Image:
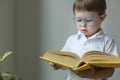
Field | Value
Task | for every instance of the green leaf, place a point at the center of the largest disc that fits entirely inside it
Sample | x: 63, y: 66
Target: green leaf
x: 1, y: 78
x: 5, y: 55
x: 11, y: 76
x: 14, y: 78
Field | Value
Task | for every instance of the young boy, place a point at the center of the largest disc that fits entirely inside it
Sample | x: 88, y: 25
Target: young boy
x: 89, y: 14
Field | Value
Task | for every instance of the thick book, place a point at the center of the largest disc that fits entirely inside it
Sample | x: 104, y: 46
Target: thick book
x: 73, y: 61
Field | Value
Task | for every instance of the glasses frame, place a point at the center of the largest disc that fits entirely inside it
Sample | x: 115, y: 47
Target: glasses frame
x: 86, y: 20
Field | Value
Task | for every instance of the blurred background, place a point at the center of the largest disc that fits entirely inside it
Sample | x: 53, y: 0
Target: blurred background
x: 31, y: 27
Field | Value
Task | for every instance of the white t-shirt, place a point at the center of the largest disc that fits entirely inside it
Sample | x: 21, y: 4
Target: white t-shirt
x: 79, y: 44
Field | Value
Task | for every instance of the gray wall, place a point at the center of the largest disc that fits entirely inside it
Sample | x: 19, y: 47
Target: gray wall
x: 112, y: 26
x: 7, y: 34
x: 19, y: 27
x: 27, y: 28
x: 30, y: 27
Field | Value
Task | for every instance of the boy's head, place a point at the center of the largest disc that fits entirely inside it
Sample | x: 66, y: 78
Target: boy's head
x: 98, y: 6
x: 89, y: 14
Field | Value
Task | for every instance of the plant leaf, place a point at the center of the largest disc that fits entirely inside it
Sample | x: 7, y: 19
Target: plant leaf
x: 5, y: 55
x: 1, y: 78
x: 11, y: 76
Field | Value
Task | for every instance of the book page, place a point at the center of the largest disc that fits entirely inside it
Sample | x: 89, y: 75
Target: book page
x: 101, y: 59
x: 63, y: 58
x: 74, y: 62
x: 99, y: 56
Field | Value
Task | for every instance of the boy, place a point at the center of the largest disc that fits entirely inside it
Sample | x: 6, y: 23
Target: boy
x: 89, y: 14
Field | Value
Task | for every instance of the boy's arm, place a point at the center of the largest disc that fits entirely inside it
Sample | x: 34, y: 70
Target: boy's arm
x: 101, y: 73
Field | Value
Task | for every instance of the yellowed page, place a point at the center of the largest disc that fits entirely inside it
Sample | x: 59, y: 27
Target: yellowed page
x: 66, y: 59
x: 101, y: 59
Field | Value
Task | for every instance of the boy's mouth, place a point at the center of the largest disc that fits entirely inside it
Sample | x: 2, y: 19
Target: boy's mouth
x: 84, y: 30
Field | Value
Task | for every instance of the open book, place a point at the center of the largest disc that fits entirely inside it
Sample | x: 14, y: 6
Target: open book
x: 73, y: 61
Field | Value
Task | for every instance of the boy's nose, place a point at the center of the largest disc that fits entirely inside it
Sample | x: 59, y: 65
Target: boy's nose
x: 83, y: 23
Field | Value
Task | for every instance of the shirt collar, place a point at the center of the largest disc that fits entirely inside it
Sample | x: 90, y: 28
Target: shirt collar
x: 96, y: 35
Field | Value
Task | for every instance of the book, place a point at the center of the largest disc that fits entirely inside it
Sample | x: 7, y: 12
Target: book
x: 73, y: 61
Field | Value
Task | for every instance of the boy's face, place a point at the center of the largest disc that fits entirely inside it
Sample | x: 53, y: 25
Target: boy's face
x: 88, y: 23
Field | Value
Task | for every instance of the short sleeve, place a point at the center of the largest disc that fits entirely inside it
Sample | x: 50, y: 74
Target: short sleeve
x: 110, y: 47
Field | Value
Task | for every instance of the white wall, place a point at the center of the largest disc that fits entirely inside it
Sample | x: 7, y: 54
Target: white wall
x: 58, y: 25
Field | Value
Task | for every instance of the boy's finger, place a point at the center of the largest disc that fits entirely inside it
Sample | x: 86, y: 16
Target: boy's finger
x: 54, y: 66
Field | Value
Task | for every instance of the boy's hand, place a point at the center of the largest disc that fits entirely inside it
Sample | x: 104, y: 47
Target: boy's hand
x: 56, y: 67
x: 89, y: 73
x: 95, y: 72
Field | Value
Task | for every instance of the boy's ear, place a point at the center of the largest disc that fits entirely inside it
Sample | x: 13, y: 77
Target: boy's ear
x: 103, y: 16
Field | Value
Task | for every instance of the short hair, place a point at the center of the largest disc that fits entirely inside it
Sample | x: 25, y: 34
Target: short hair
x: 98, y: 6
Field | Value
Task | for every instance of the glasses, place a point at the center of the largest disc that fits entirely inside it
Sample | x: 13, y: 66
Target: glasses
x: 87, y: 21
